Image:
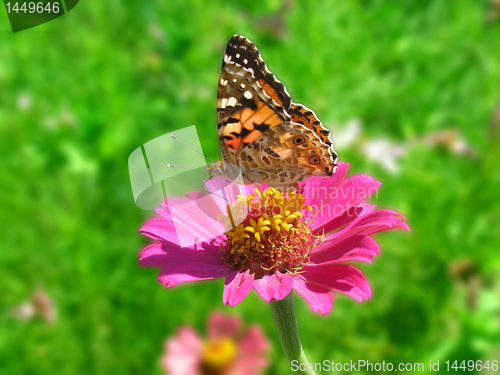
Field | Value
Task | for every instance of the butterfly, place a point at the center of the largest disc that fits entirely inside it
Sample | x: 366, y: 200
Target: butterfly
x: 264, y: 137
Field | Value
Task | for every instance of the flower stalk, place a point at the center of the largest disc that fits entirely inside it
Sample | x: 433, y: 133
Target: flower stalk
x: 286, y: 323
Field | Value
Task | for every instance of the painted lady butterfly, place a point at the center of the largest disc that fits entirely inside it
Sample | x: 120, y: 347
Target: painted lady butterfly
x: 262, y: 134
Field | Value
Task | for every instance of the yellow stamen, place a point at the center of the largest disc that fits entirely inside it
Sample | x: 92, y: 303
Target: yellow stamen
x: 218, y: 353
x: 272, y: 236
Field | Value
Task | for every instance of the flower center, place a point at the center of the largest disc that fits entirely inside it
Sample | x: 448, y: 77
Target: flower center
x: 218, y: 353
x: 273, y: 236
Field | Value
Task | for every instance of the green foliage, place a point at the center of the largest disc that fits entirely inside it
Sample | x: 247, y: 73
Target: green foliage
x: 79, y: 94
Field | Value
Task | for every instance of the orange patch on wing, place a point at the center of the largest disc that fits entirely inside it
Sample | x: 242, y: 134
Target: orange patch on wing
x: 234, y: 142
x: 246, y: 114
x: 270, y: 92
x: 233, y: 126
x: 274, y: 120
x: 252, y: 136
x: 261, y: 115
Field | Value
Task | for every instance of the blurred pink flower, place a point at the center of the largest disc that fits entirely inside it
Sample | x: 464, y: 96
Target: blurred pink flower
x: 226, y: 351
x: 280, y: 245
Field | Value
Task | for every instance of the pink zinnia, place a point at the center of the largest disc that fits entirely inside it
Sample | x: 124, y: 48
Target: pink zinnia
x: 282, y: 242
x: 226, y: 351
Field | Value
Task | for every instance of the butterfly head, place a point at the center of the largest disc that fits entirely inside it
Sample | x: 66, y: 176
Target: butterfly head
x: 223, y: 169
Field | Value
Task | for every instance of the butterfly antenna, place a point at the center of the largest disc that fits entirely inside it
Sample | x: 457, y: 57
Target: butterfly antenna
x: 192, y: 148
x: 186, y: 165
x: 204, y: 189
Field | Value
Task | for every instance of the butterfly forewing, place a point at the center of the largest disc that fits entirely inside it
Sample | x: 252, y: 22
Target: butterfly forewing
x: 271, y: 139
x: 241, y: 51
x: 244, y: 110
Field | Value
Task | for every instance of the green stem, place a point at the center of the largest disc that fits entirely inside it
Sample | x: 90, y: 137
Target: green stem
x: 284, y: 316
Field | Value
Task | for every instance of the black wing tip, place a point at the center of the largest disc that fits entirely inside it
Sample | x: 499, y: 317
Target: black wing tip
x: 239, y: 37
x: 331, y: 169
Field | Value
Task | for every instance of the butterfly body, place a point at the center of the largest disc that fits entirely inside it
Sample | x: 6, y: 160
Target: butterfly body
x: 262, y: 134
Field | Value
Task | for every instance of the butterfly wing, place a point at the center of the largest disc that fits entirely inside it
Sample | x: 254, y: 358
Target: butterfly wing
x: 305, y: 116
x: 285, y: 155
x: 250, y: 100
x: 244, y: 111
x: 242, y: 52
x: 271, y: 139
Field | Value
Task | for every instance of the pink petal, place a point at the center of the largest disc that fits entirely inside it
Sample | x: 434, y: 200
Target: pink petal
x: 340, y: 277
x: 182, y: 353
x: 361, y: 248
x: 221, y: 325
x: 236, y: 287
x: 195, y: 221
x: 184, y: 271
x: 274, y: 287
x: 348, y: 216
x: 317, y: 189
x: 160, y: 229
x: 163, y: 254
x: 319, y: 298
x: 373, y: 222
x: 252, y: 358
x: 180, y: 265
x: 352, y: 192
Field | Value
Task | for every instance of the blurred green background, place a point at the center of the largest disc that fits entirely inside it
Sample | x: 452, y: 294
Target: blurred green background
x: 79, y: 94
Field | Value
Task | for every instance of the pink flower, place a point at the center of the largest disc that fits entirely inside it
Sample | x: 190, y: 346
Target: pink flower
x: 227, y: 351
x: 277, y: 243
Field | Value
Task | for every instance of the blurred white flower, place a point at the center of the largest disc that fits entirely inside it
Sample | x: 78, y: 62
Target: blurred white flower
x: 67, y: 117
x: 64, y: 118
x: 451, y: 139
x: 156, y: 32
x: 344, y: 136
x: 24, y: 311
x: 24, y: 102
x: 39, y: 305
x: 384, y: 152
x: 387, y: 154
x: 50, y: 123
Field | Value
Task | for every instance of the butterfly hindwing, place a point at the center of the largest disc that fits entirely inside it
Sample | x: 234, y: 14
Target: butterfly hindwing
x: 291, y: 151
x: 300, y: 114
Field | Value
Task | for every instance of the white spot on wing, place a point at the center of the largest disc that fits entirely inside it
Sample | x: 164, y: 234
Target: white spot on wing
x: 237, y: 55
x: 247, y: 95
x: 223, y: 82
x: 223, y: 103
x: 231, y: 102
x: 227, y: 58
x: 245, y: 61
